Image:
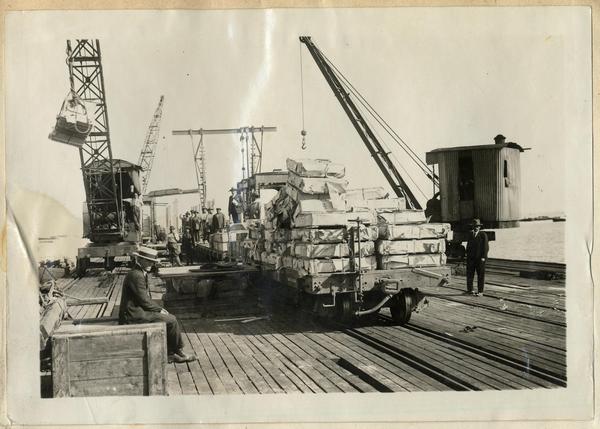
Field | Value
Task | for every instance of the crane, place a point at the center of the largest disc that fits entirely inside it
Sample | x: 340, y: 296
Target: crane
x: 251, y: 151
x: 472, y: 184
x: 375, y: 148
x: 108, y: 182
x: 149, y: 149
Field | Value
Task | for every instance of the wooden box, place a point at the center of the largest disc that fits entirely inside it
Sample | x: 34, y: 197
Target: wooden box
x: 109, y: 360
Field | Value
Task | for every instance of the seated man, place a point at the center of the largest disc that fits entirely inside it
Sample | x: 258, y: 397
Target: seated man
x: 138, y: 307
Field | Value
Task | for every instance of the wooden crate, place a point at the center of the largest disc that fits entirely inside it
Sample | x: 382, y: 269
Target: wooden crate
x: 109, y: 360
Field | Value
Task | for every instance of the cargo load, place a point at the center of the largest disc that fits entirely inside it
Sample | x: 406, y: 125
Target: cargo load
x: 320, y: 266
x: 333, y: 250
x: 309, y: 220
x: 399, y: 247
x: 316, y: 168
x: 317, y: 185
x: 402, y: 217
x: 391, y: 262
x: 412, y: 231
x: 333, y: 235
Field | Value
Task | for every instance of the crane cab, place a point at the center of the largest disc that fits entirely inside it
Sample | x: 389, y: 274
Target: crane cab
x: 479, y: 182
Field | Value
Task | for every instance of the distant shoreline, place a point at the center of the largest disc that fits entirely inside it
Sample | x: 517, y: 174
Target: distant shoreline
x: 561, y: 218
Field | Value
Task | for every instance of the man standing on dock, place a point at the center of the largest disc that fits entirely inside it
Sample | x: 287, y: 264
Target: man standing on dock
x: 173, y: 246
x: 232, y: 206
x: 477, y: 250
x: 208, y: 225
x: 137, y: 305
x: 188, y: 246
x: 218, y: 221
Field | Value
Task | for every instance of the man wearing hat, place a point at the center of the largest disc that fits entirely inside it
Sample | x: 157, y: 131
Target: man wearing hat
x: 477, y: 250
x: 203, y: 224
x: 173, y: 246
x: 208, y: 224
x: 195, y: 226
x: 232, y: 206
x: 499, y: 139
x: 137, y: 306
x: 218, y: 221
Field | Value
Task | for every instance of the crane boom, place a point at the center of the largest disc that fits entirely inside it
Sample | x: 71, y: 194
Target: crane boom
x: 149, y: 149
x: 379, y: 154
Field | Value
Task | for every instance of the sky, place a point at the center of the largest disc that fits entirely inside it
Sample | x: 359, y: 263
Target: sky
x: 440, y: 77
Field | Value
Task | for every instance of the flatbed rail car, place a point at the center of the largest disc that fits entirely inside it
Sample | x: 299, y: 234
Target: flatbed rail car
x: 349, y: 295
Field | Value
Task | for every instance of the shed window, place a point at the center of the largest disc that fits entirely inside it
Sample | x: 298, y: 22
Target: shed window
x: 466, y: 179
x: 506, y: 179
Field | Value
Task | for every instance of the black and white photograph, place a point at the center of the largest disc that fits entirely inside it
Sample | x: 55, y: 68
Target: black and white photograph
x: 268, y: 215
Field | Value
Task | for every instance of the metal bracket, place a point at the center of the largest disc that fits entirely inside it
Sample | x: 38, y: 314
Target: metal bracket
x: 333, y: 293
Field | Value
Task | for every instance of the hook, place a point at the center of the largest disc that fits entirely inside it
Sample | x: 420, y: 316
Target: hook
x: 303, y: 134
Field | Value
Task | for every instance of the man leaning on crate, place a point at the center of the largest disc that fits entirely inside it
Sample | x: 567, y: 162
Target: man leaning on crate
x: 138, y: 307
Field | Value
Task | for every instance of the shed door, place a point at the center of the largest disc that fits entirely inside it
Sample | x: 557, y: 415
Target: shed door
x: 466, y: 185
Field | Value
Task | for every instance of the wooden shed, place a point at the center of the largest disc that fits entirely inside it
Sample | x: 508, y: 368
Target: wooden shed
x: 480, y: 181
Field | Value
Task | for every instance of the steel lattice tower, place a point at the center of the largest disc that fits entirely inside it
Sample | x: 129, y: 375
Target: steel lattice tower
x: 87, y: 79
x: 149, y: 150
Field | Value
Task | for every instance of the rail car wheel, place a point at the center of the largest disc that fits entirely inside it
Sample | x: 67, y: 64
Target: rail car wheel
x: 345, y: 309
x: 401, y: 307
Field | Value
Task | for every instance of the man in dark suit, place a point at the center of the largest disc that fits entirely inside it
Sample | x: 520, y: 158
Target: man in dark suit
x: 477, y: 250
x: 218, y: 221
x: 137, y: 306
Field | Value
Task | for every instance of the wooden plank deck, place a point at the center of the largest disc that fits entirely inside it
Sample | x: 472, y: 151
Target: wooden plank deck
x: 514, y: 337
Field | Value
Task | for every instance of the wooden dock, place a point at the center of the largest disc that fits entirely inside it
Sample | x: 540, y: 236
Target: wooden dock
x: 252, y: 342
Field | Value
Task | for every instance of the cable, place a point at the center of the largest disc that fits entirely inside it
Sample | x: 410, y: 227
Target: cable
x: 406, y: 173
x: 351, y: 89
x: 303, y: 132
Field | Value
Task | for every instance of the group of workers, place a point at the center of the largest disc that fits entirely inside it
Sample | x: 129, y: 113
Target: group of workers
x: 196, y: 228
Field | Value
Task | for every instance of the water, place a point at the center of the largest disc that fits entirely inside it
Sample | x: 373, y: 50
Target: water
x: 532, y: 241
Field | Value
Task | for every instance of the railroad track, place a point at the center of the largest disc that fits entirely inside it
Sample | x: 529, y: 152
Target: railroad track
x: 456, y: 343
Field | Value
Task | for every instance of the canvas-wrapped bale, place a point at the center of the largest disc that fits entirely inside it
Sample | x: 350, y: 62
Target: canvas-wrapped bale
x: 361, y: 194
x: 333, y: 235
x: 309, y: 220
x: 278, y: 235
x: 317, y: 185
x: 402, y: 217
x: 331, y: 201
x: 414, y: 231
x: 385, y: 204
x: 320, y: 266
x: 399, y: 247
x: 391, y: 262
x: 316, y: 168
x: 332, y: 250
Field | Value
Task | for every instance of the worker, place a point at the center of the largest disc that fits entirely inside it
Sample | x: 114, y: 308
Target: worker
x: 188, y: 246
x: 203, y: 224
x: 138, y: 307
x: 232, y: 206
x: 499, y: 139
x: 137, y: 213
x: 477, y: 251
x: 218, y: 221
x: 209, y: 221
x: 195, y: 226
x: 173, y: 246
